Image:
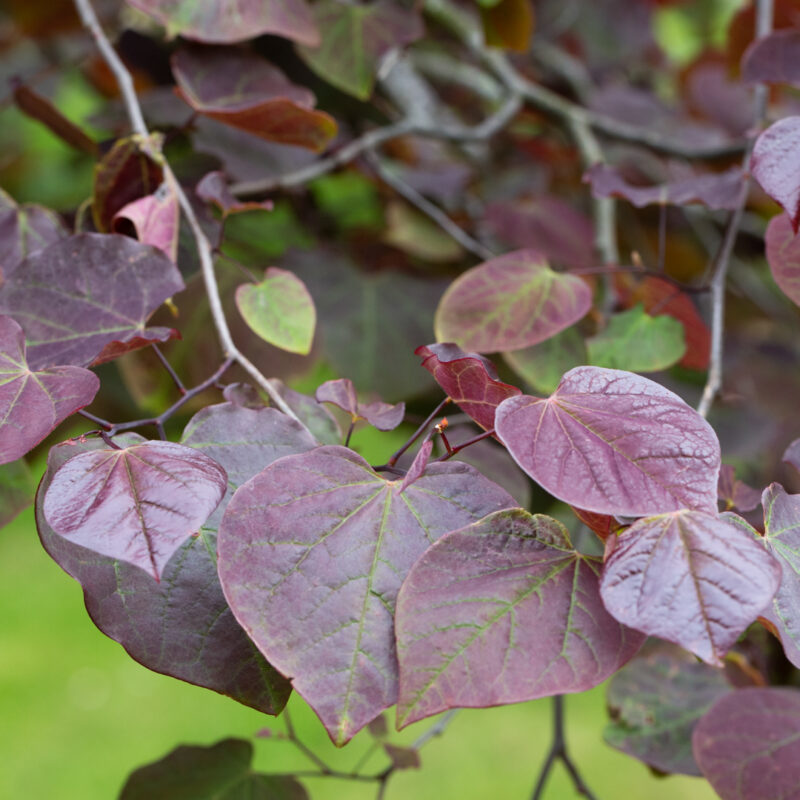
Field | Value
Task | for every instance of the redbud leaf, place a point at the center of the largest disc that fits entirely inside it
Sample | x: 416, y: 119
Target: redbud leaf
x: 692, y: 578
x: 34, y: 403
x: 735, y: 494
x: 775, y: 165
x: 242, y: 89
x: 312, y: 552
x: 748, y: 744
x: 468, y: 379
x: 510, y: 302
x: 783, y: 255
x: 543, y: 364
x: 773, y: 59
x: 86, y: 299
x: 213, y: 188
x: 502, y: 611
x: 342, y: 394
x: 25, y: 229
x: 155, y: 219
x: 615, y: 443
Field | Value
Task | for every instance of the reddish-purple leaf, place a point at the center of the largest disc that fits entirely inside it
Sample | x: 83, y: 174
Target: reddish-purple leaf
x: 776, y: 165
x: 154, y: 218
x: 748, y: 745
x: 468, y: 379
x: 33, y: 403
x: 241, y: 89
x: 342, y: 394
x: 783, y: 255
x: 503, y: 611
x: 24, y: 230
x: 735, y: 494
x: 312, y: 552
x: 716, y: 190
x: 773, y: 59
x: 510, y: 302
x: 213, y: 188
x: 418, y: 465
x: 137, y: 504
x: 614, y: 443
x: 234, y: 20
x: 691, y: 578
x: 87, y: 298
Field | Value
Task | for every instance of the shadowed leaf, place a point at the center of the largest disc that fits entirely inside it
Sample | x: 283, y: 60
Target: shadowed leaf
x: 312, y: 552
x: 503, y: 611
x: 776, y: 163
x: 543, y: 364
x: 735, y: 494
x: 783, y: 255
x: 342, y: 394
x: 24, y: 230
x: 615, y: 443
x: 213, y: 188
x: 773, y: 59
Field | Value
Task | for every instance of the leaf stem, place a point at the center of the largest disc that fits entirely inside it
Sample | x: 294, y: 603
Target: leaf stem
x: 474, y: 440
x: 168, y: 367
x: 417, y: 433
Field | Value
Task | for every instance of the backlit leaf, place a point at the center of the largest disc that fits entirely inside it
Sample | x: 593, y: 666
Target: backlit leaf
x: 33, y: 403
x: 280, y: 310
x: 542, y: 365
x: 312, y: 552
x: 242, y: 89
x: 136, y: 504
x: 773, y: 59
x: 691, y: 578
x: 342, y: 394
x: 502, y: 611
x: 615, y: 443
x: 776, y: 163
x: 783, y: 255
x: 86, y: 299
x: 748, y: 744
x: 510, y: 302
x: 155, y: 219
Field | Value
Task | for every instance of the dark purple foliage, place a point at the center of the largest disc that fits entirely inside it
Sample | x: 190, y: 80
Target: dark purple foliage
x: 776, y: 162
x: 773, y: 59
x: 734, y: 494
x: 342, y: 394
x: 24, y: 230
x: 213, y: 188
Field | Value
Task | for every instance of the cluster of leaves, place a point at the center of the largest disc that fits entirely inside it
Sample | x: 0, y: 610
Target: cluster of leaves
x: 262, y: 554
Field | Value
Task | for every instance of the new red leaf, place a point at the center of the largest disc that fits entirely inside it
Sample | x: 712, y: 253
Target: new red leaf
x: 776, y: 165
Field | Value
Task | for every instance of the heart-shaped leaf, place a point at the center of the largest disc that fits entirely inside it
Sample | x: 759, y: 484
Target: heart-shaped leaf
x: 154, y: 218
x: 312, y: 552
x: 24, y: 230
x: 503, y: 611
x: 242, y: 89
x: 280, y: 310
x: 615, y: 443
x: 234, y: 20
x: 510, y: 302
x: 342, y: 394
x: 776, y: 164
x: 773, y: 59
x: 654, y: 703
x: 136, y: 504
x: 33, y: 403
x: 86, y: 299
x: 783, y: 255
x: 691, y: 578
x: 748, y: 745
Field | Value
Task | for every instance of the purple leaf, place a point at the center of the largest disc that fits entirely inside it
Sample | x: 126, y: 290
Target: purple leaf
x: 783, y: 255
x: 154, y: 218
x: 87, y: 298
x: 418, y: 465
x: 468, y: 379
x: 503, y: 611
x: 312, y: 552
x: 614, y: 443
x: 24, y: 230
x: 213, y: 188
x: 33, y: 403
x: 242, y: 89
x: 314, y: 415
x: 654, y: 703
x: 748, y: 745
x: 510, y: 302
x: 773, y: 59
x: 735, y: 494
x: 342, y: 394
x: 716, y: 190
x: 776, y: 164
x: 233, y: 21
x: 137, y: 504
x: 691, y: 578
x: 792, y: 454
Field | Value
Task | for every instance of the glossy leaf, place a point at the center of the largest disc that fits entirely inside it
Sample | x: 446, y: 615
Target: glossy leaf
x: 213, y: 188
x: 615, y: 443
x: 241, y: 89
x: 342, y: 394
x: 713, y: 190
x: 221, y: 771
x: 280, y: 310
x: 748, y: 744
x: 637, y: 342
x: 775, y: 165
x: 233, y: 21
x: 654, y: 703
x: 35, y: 402
x: 468, y: 379
x: 24, y: 230
x: 355, y: 38
x: 691, y: 578
x: 773, y: 59
x: 136, y: 504
x: 510, y: 302
x: 502, y: 611
x: 734, y: 494
x: 86, y: 299
x: 783, y: 255
x: 155, y: 219
x: 312, y: 552
x: 542, y: 365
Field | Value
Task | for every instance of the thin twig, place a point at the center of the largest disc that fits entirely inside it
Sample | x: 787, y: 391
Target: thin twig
x: 97, y: 420
x: 168, y: 367
x: 459, y: 447
x: 417, y: 433
x: 292, y: 736
x: 437, y: 729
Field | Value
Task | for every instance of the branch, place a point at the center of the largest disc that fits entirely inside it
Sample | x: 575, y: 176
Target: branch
x: 204, y: 249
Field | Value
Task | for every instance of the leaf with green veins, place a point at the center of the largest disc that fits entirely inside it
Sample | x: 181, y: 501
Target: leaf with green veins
x: 637, y: 342
x: 510, y: 302
x: 543, y: 364
x: 312, y: 552
x: 280, y: 310
x: 502, y: 611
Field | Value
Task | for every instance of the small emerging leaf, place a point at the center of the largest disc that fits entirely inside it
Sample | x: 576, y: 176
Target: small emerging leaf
x: 342, y: 394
